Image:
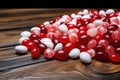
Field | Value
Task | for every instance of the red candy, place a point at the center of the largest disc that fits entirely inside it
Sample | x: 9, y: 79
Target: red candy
x: 92, y: 31
x: 35, y: 52
x: 115, y: 58
x: 61, y: 55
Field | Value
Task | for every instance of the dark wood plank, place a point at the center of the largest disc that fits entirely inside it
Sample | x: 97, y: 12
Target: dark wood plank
x: 65, y: 70
x: 19, y: 18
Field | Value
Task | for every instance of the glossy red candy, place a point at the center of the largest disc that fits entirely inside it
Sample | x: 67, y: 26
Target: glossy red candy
x: 29, y: 44
x: 63, y: 39
x: 35, y: 52
x: 33, y: 36
x: 91, y: 44
x: 70, y: 26
x: 115, y: 58
x: 115, y: 43
x: 42, y: 47
x: 113, y: 27
x: 110, y: 50
x: 98, y: 37
x: 82, y: 47
x: 69, y: 46
x: 103, y: 42
x: 99, y: 48
x: 84, y: 39
x: 101, y: 56
x: 61, y: 55
x: 117, y: 50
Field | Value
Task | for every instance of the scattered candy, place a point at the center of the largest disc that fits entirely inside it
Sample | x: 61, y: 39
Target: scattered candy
x: 89, y: 34
x: 21, y: 49
x: 85, y: 57
x: 25, y: 34
x: 74, y: 53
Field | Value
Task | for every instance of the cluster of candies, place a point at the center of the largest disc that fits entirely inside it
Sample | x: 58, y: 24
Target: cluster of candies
x: 85, y: 35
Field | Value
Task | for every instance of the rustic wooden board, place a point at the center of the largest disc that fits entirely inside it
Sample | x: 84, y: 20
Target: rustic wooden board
x: 14, y: 21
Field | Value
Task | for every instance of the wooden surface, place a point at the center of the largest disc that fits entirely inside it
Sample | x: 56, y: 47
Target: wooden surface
x: 14, y: 21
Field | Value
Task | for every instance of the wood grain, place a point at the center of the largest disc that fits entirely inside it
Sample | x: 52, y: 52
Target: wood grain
x: 14, y: 21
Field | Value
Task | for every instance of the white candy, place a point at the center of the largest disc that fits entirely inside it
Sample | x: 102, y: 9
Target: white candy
x: 74, y: 53
x: 86, y: 17
x: 74, y: 21
x: 47, y: 42
x: 59, y: 46
x: 61, y: 20
x: 35, y: 28
x: 21, y: 49
x: 109, y: 11
x: 46, y: 23
x: 85, y: 11
x: 102, y: 12
x: 25, y: 34
x: 78, y: 16
x: 21, y: 39
x: 73, y: 15
x: 65, y: 17
x: 63, y: 28
x: 98, y: 22
x: 92, y: 32
x: 85, y: 57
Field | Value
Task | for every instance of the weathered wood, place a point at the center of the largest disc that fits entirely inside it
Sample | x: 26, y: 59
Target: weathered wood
x: 14, y: 21
x: 66, y: 70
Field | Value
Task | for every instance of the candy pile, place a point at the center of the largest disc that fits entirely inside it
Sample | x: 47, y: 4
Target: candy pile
x: 85, y: 35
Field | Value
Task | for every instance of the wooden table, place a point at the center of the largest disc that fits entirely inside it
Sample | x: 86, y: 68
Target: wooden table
x: 14, y: 21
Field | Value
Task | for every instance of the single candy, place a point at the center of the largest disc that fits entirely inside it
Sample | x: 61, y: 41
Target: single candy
x: 103, y: 42
x: 68, y: 47
x: 61, y: 55
x: 21, y: 49
x: 92, y: 32
x: 58, y: 46
x: 35, y: 28
x: 115, y: 58
x: 74, y: 53
x: 82, y: 47
x: 46, y: 23
x: 110, y: 50
x: 91, y: 44
x: 109, y: 11
x: 101, y: 56
x: 85, y: 11
x: 63, y: 28
x: 35, y: 52
x: 73, y: 38
x: 48, y: 42
x: 63, y: 39
x: 98, y: 22
x: 29, y: 44
x: 85, y: 57
x: 49, y: 53
x: 25, y: 34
